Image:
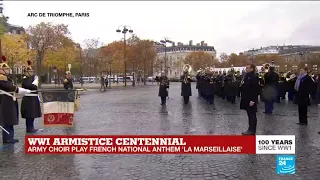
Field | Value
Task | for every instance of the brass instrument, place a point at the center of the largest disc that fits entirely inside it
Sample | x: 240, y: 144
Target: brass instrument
x: 188, y: 69
x: 266, y: 67
x: 292, y: 76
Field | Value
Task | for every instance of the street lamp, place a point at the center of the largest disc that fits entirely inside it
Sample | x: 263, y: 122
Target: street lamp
x: 124, y: 30
x: 134, y: 72
x: 163, y: 43
x: 80, y: 58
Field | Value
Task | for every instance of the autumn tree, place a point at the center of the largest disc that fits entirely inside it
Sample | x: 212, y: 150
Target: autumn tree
x: 199, y: 60
x: 15, y: 48
x: 91, y: 59
x: 44, y: 37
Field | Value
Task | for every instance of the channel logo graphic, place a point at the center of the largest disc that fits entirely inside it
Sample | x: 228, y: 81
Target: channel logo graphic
x: 286, y: 164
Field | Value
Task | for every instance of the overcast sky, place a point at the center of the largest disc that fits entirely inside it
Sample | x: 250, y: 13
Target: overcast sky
x: 228, y: 26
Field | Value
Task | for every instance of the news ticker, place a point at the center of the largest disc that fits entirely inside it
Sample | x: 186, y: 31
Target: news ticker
x: 143, y: 144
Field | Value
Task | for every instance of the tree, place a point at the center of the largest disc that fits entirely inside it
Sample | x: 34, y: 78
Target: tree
x: 15, y: 49
x: 44, y: 37
x: 92, y: 46
x: 61, y: 57
x: 199, y: 60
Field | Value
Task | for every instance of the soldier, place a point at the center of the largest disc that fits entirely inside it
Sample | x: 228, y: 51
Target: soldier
x: 67, y: 83
x: 271, y: 80
x: 163, y: 88
x: 249, y: 98
x: 30, y: 105
x: 232, y: 87
x: 9, y: 112
x: 185, y: 86
x: 198, y: 86
x: 210, y: 87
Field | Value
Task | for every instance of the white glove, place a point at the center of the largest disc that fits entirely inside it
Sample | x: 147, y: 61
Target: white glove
x: 36, y: 81
x: 23, y: 91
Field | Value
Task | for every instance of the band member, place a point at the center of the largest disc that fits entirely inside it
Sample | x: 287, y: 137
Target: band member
x: 163, y: 88
x: 249, y: 97
x: 30, y: 105
x: 211, y: 87
x: 103, y: 82
x: 271, y: 80
x: 9, y: 112
x: 67, y: 83
x: 303, y: 87
x: 185, y: 86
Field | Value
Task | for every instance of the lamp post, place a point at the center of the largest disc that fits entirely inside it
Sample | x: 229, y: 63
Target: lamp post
x: 80, y: 58
x: 163, y: 43
x: 124, y: 31
x: 134, y: 72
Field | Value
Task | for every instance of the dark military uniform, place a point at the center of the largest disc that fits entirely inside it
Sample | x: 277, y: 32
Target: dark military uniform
x: 185, y: 87
x: 250, y: 90
x: 271, y: 80
x: 30, y: 105
x: 67, y: 84
x: 211, y: 80
x: 9, y: 113
x: 231, y: 88
x: 163, y: 89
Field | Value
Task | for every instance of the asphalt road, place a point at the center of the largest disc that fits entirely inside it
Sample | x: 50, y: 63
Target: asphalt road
x: 138, y: 111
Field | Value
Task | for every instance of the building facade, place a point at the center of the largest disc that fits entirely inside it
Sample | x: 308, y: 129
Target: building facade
x: 300, y: 54
x: 270, y: 50
x: 176, y: 55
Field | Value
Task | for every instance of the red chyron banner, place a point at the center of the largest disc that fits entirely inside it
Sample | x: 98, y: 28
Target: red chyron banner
x: 84, y: 144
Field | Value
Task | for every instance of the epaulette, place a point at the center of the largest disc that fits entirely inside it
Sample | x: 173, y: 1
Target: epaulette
x: 65, y: 80
x: 24, y: 77
x: 3, y: 78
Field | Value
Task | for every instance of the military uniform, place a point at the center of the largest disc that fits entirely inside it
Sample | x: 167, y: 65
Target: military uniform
x: 9, y: 111
x: 163, y: 89
x: 67, y: 83
x: 30, y: 105
x: 185, y: 87
x: 211, y: 80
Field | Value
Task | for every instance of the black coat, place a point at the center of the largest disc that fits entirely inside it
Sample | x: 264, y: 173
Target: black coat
x: 9, y: 112
x: 30, y: 105
x: 163, y: 87
x: 185, y: 87
x: 271, y: 82
x: 302, y: 96
x: 211, y: 86
x: 67, y: 84
x: 249, y: 91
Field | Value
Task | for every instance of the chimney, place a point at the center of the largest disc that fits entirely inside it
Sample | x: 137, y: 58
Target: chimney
x: 190, y: 43
x: 173, y: 44
x: 202, y: 43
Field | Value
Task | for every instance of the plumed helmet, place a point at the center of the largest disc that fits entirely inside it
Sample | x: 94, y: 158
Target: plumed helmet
x: 28, y: 68
x: 3, y: 63
x: 68, y: 73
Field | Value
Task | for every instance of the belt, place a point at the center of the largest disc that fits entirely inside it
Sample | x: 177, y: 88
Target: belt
x: 31, y: 95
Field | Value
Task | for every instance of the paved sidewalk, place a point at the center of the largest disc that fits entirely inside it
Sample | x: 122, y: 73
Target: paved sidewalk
x: 138, y: 111
x: 93, y: 85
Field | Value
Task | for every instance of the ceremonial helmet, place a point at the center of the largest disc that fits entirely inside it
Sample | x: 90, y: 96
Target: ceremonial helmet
x: 68, y: 73
x: 28, y: 69
x: 4, y: 66
x: 3, y: 63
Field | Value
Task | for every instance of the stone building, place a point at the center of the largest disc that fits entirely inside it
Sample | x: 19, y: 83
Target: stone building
x: 176, y: 54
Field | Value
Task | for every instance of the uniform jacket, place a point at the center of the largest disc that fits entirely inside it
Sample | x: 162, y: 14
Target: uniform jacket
x: 303, y: 94
x: 30, y: 105
x: 249, y: 91
x: 67, y: 84
x: 9, y: 113
x: 185, y: 87
x: 163, y: 87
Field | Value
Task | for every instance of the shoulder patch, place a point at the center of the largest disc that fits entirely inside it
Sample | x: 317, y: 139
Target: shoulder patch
x: 3, y: 78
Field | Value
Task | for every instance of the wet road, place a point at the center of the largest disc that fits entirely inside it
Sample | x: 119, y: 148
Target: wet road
x: 138, y: 111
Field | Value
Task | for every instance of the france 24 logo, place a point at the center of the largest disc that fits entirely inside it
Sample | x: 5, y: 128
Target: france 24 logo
x: 286, y: 164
